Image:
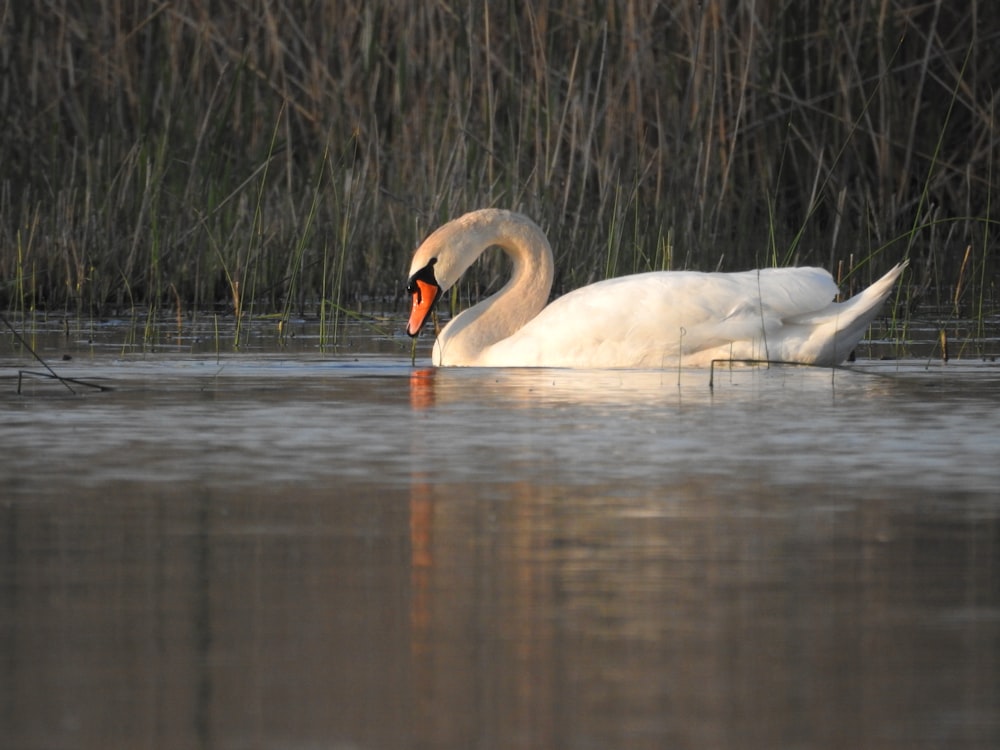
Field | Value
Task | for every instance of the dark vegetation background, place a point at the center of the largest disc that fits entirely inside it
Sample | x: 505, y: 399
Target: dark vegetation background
x: 271, y: 156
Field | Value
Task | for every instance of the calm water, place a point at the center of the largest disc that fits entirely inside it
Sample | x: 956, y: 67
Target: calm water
x: 295, y: 551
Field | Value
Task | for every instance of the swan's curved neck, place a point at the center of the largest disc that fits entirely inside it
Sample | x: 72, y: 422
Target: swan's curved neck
x: 466, y: 338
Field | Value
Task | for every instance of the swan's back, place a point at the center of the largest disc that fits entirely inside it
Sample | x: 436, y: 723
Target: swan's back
x: 687, y: 318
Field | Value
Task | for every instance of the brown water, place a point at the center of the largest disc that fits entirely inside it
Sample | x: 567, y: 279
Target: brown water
x: 301, y: 551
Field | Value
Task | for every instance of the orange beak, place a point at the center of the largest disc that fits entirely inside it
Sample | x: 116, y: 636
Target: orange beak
x: 424, y: 295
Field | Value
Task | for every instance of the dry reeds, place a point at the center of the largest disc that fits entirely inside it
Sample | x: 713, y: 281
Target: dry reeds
x: 287, y: 157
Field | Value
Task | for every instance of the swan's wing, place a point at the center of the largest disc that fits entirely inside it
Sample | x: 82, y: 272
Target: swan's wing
x: 786, y: 292
x: 745, y: 315
x: 669, y: 300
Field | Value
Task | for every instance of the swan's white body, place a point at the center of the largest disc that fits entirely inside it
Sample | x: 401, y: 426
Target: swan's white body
x: 649, y: 320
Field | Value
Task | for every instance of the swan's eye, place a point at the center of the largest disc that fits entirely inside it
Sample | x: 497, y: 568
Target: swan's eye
x: 426, y: 275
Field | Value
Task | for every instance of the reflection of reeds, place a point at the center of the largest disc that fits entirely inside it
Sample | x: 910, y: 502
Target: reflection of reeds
x: 259, y: 157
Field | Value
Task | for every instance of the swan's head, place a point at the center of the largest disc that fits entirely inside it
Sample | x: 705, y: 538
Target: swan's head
x: 444, y: 256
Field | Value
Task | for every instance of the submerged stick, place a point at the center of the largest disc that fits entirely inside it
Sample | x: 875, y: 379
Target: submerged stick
x: 768, y: 362
x: 64, y: 381
x: 26, y: 345
x: 51, y: 373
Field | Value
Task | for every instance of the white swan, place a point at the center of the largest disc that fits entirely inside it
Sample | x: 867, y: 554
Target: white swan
x: 649, y: 320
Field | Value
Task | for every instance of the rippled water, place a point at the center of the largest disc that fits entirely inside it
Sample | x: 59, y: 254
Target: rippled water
x: 290, y: 550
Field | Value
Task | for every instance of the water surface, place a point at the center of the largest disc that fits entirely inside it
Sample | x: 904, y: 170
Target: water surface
x: 296, y: 550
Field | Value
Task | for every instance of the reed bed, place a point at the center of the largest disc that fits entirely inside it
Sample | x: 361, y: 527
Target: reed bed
x: 264, y: 157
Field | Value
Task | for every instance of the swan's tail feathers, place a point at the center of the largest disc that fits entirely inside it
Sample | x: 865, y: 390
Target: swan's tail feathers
x: 864, y: 306
x: 836, y: 329
x: 851, y: 318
